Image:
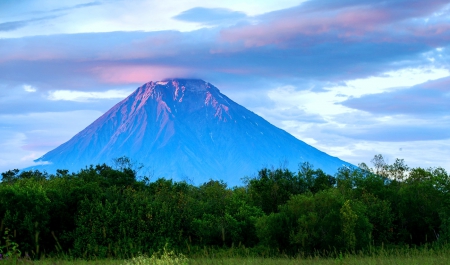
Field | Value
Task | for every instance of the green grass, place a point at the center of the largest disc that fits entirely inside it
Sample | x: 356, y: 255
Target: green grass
x: 435, y: 260
x: 381, y: 257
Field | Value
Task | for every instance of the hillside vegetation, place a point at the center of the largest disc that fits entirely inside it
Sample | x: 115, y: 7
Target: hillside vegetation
x: 108, y: 212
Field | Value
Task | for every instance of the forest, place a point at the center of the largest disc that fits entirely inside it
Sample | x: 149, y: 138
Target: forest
x: 109, y: 211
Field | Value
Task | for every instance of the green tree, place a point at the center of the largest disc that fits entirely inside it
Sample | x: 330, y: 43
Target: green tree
x: 348, y: 219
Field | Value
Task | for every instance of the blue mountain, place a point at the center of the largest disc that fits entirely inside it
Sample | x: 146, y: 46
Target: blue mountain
x: 185, y: 129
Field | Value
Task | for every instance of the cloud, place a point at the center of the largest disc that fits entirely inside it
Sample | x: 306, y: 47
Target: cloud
x: 423, y: 154
x: 315, y: 40
x: 29, y: 88
x: 430, y: 98
x: 397, y: 132
x: 59, y: 59
x: 41, y: 101
x: 303, y: 45
x: 355, y: 40
x: 405, y: 7
x: 350, y: 22
x: 14, y: 25
x: 211, y: 16
x: 79, y: 96
x: 27, y: 137
x: 96, y: 3
x: 125, y: 74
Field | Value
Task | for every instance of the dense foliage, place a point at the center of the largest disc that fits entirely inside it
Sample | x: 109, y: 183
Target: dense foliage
x: 104, y: 211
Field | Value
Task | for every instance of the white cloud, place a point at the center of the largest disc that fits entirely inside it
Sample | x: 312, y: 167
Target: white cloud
x: 325, y: 103
x: 81, y: 96
x: 24, y: 138
x: 416, y: 154
x: 324, y: 135
x: 29, y: 88
x: 30, y: 157
x: 390, y: 81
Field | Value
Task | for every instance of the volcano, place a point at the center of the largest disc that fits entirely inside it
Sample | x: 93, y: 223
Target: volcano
x: 185, y: 129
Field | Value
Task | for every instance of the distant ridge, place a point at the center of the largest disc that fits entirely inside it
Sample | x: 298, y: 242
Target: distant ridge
x: 185, y: 129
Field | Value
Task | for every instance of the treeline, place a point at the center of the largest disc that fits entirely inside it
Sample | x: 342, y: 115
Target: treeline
x: 104, y: 211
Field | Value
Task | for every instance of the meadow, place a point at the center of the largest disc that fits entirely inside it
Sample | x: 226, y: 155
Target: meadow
x: 393, y: 257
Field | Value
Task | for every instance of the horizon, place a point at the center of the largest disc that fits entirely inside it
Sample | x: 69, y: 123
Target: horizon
x: 353, y: 79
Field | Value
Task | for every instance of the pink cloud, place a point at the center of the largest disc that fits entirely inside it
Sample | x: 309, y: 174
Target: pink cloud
x: 431, y: 30
x: 126, y: 74
x: 344, y: 24
x: 442, y: 84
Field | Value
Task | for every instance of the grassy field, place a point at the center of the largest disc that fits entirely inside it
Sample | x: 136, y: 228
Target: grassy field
x: 406, y: 257
x: 435, y: 260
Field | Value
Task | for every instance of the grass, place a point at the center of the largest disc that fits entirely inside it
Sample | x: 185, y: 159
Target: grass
x: 380, y: 257
x: 436, y: 260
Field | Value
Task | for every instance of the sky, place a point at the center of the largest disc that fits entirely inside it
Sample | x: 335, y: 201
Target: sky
x: 353, y: 78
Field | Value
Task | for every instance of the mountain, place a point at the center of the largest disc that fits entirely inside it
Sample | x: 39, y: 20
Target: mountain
x: 185, y: 129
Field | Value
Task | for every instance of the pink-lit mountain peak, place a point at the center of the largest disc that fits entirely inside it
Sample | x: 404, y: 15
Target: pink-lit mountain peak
x: 182, y: 95
x: 164, y: 104
x: 186, y: 128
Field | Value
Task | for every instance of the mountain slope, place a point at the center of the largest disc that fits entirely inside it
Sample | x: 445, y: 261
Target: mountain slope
x: 186, y: 129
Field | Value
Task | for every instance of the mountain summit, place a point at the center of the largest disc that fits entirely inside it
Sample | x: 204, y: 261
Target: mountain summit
x: 185, y: 129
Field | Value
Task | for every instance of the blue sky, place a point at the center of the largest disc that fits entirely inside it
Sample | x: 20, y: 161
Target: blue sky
x: 354, y: 78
